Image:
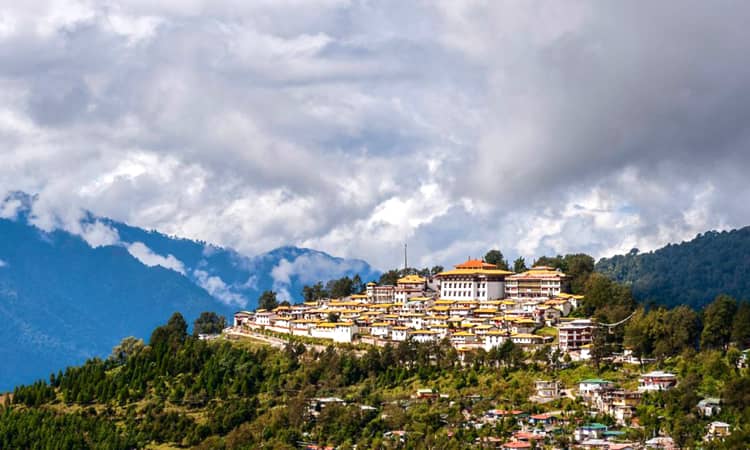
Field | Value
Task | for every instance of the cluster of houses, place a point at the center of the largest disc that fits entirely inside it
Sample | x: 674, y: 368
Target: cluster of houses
x: 474, y: 305
x: 607, y: 398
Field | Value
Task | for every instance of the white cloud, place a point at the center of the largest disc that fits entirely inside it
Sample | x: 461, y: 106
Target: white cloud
x: 218, y: 289
x: 355, y: 126
x: 307, y: 269
x: 141, y: 252
x: 3, y: 263
x: 98, y: 234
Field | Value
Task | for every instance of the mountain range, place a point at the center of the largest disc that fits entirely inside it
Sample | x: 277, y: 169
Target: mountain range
x: 68, y: 295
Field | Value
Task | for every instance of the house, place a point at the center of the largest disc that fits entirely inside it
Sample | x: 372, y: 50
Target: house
x: 494, y: 338
x: 515, y: 445
x: 591, y: 386
x: 264, y: 318
x: 399, y: 333
x: 463, y: 337
x: 423, y: 336
x: 427, y: 393
x: 242, y: 318
x: 709, y: 406
x: 336, y: 331
x: 543, y: 420
x: 661, y: 443
x: 408, y: 287
x: 380, y: 329
x: 656, y: 381
x: 589, y: 431
x: 546, y: 391
x: 539, y: 281
x: 575, y: 334
x: 717, y: 431
x: 380, y: 294
x: 526, y: 340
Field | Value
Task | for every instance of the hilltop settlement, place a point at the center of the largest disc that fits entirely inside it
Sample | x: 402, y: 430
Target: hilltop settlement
x: 478, y: 306
x: 474, y: 305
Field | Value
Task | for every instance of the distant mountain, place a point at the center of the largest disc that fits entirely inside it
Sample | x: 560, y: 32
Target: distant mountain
x: 65, y: 297
x: 691, y: 273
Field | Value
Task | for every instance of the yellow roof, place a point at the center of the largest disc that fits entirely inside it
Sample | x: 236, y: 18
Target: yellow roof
x: 485, y: 311
x: 538, y: 272
x: 444, y: 302
x: 380, y: 324
x: 411, y: 279
x: 467, y: 325
x: 371, y: 283
x: 400, y: 328
x: 359, y: 296
x: 440, y: 308
x: 463, y: 333
x: 566, y: 295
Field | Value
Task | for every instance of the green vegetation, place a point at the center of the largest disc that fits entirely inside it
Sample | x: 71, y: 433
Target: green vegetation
x: 178, y: 391
x: 691, y: 273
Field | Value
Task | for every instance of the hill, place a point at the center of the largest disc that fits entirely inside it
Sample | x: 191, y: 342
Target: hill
x: 65, y: 297
x: 691, y: 273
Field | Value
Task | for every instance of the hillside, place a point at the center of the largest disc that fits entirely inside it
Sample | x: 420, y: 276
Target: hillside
x: 65, y: 297
x: 179, y: 392
x: 691, y: 273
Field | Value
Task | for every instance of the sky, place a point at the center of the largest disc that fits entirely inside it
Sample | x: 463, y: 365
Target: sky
x: 352, y: 127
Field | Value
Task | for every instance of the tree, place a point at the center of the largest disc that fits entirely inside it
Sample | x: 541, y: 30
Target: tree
x: 389, y: 278
x: 578, y: 268
x: 436, y: 270
x: 717, y: 319
x: 314, y: 292
x: 267, y: 300
x: 495, y: 257
x: 129, y: 346
x: 741, y: 325
x: 209, y: 323
x: 519, y: 265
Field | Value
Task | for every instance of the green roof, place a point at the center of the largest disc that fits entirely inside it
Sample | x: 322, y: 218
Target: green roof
x: 595, y: 381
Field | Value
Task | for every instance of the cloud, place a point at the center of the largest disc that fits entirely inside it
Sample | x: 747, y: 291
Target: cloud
x: 309, y: 268
x: 353, y: 127
x: 98, y: 234
x: 218, y: 289
x: 3, y: 263
x: 142, y: 253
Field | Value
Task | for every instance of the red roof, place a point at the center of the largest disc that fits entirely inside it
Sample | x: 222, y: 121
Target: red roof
x: 517, y: 444
x: 544, y: 416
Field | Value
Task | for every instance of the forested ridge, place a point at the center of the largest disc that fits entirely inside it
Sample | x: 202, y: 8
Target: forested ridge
x: 691, y: 273
x: 181, y: 392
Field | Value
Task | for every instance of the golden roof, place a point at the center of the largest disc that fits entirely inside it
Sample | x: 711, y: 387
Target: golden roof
x: 411, y: 279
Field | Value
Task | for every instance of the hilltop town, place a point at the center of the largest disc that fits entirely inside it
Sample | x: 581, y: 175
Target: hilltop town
x: 477, y: 306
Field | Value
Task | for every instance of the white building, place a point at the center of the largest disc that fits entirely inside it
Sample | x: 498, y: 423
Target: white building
x: 408, y: 287
x: 336, y: 331
x: 423, y: 336
x: 399, y: 333
x: 575, y: 334
x: 242, y: 318
x: 656, y: 381
x: 540, y: 281
x: 473, y: 280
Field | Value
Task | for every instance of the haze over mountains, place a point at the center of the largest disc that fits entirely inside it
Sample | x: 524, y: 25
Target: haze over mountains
x: 67, y: 296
